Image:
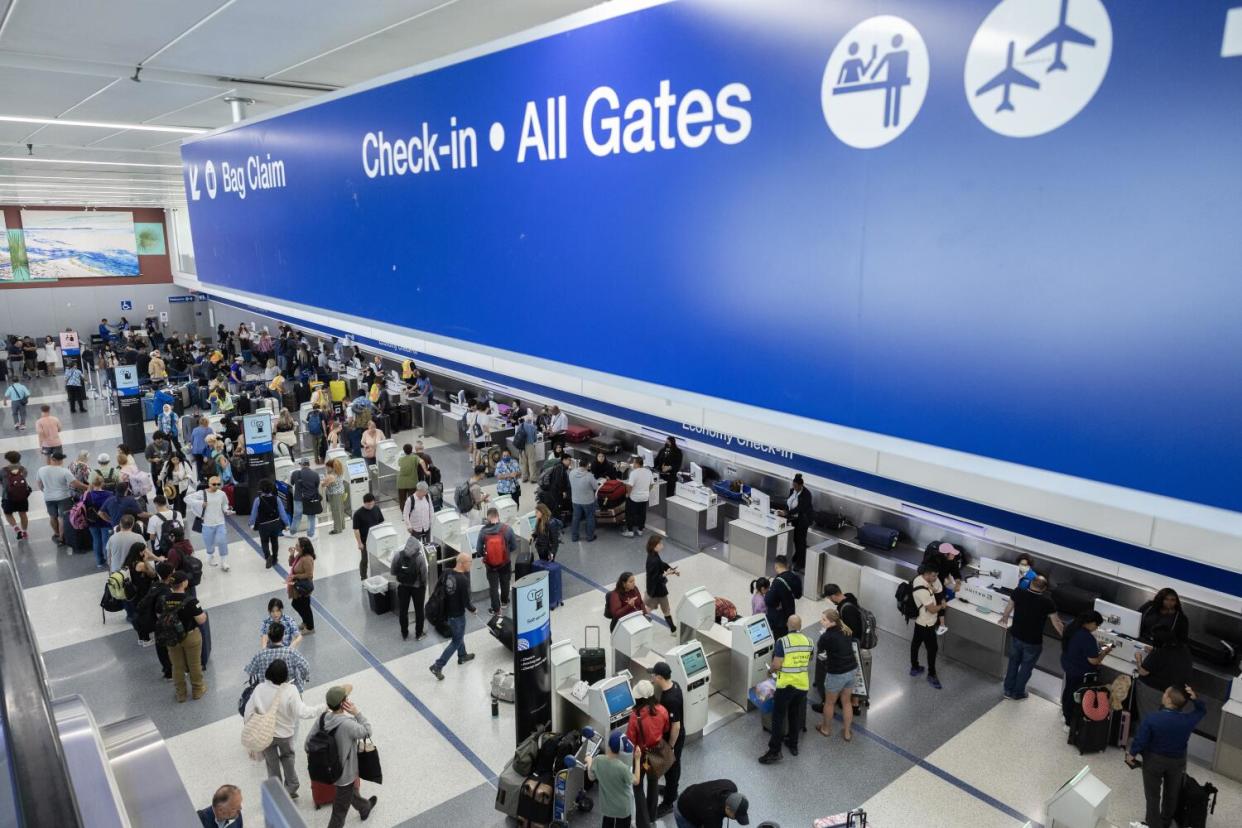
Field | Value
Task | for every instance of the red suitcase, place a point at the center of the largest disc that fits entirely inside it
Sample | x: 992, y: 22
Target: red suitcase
x: 578, y: 434
x: 323, y: 794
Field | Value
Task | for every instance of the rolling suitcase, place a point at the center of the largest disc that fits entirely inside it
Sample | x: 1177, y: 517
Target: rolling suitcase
x: 1089, y: 731
x: 501, y: 628
x: 323, y: 793
x: 336, y: 389
x: 608, y: 445
x: 594, y: 660
x: 1195, y: 803
x: 877, y: 537
x: 578, y: 434
x: 554, y: 580
x: 301, y: 394
x: 610, y: 516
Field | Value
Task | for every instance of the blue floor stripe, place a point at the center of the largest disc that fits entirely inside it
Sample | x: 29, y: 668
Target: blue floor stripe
x: 379, y: 667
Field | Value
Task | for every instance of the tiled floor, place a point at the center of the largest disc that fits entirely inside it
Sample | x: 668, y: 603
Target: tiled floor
x: 920, y: 757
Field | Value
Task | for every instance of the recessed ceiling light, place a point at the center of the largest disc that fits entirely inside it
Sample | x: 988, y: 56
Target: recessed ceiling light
x: 23, y: 119
x: 92, y: 163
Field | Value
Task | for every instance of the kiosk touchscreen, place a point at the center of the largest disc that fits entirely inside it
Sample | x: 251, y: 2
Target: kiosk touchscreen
x: 359, y: 481
x: 752, y: 645
x: 383, y: 541
x: 448, y: 528
x: 609, y: 702
x: 696, y: 612
x: 524, y: 525
x: 387, y: 453
x: 630, y: 640
x: 1080, y: 803
x: 507, y: 508
x: 689, y: 666
x: 478, y: 570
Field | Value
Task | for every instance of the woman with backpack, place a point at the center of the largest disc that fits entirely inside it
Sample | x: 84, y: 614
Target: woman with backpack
x: 16, y: 498
x: 835, y: 671
x: 139, y: 565
x: 269, y: 518
x: 547, y: 534
x: 649, y: 729
x: 301, y: 582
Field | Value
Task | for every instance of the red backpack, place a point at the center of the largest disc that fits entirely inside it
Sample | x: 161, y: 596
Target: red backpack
x: 18, y: 488
x: 495, y: 549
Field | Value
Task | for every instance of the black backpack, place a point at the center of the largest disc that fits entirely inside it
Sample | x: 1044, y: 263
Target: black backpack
x: 193, y: 568
x: 905, y: 601
x: 169, y: 630
x: 435, y: 609
x: 462, y: 498
x: 519, y: 438
x: 164, y: 541
x: 323, y: 757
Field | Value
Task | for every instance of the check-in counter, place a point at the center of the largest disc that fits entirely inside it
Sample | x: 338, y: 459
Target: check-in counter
x: 875, y: 592
x: 753, y: 549
x: 1227, y: 760
x: 443, y: 425
x: 976, y: 637
x: 688, y: 523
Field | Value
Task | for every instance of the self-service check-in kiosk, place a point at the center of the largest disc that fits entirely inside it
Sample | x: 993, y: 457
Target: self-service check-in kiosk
x: 610, y: 702
x: 695, y: 613
x: 359, y: 481
x: 507, y: 507
x: 448, y: 530
x: 565, y: 672
x: 751, y: 646
x: 283, y: 468
x: 478, y: 570
x: 337, y: 453
x: 631, y: 640
x: 693, y: 510
x: 688, y: 663
x: 385, y: 469
x: 383, y: 541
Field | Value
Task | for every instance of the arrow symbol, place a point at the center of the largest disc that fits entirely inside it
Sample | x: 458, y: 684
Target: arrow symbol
x: 194, y: 194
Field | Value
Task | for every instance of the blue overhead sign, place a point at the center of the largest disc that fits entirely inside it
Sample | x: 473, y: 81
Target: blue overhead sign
x: 1004, y: 227
x: 173, y: 300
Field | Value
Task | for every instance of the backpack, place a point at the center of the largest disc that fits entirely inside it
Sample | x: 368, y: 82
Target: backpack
x: 867, y: 637
x: 140, y: 483
x: 110, y: 603
x: 111, y: 477
x: 462, y: 498
x: 18, y: 487
x: 323, y: 757
x: 905, y: 601
x: 164, y: 541
x: 78, y: 517
x: 608, y: 604
x: 169, y: 631
x: 545, y: 479
x: 314, y: 423
x: 259, y: 730
x: 519, y: 438
x: 435, y: 609
x: 119, y: 588
x: 193, y: 568
x: 495, y: 549
x: 146, y: 620
x: 433, y: 475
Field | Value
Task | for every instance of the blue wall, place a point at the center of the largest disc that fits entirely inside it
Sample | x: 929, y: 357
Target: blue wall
x: 1070, y: 301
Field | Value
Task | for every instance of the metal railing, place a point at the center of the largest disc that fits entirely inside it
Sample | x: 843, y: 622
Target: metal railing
x: 42, y: 793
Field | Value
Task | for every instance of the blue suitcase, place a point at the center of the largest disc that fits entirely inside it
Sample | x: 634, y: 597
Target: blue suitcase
x: 554, y: 581
x: 877, y: 537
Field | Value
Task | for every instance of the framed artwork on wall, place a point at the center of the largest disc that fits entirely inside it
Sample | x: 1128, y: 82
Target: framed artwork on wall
x: 150, y: 238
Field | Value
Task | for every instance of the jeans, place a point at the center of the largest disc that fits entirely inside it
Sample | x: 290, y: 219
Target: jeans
x: 311, y: 520
x: 404, y: 595
x: 636, y: 515
x: 99, y: 540
x: 583, y: 512
x: 269, y: 542
x: 77, y: 398
x: 281, y: 762
x: 346, y: 796
x: 302, y: 605
x: 188, y: 655
x: 216, y: 539
x: 19, y: 412
x: 456, y: 623
x: 788, y: 718
x: 1022, y: 658
x: 1162, y: 774
x: 927, y: 637
x: 498, y: 586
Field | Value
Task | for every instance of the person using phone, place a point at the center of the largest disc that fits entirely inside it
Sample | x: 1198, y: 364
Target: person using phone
x: 1162, y: 741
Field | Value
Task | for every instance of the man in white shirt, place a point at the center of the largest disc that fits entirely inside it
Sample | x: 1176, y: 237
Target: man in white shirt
x: 418, y: 513
x: 637, y: 492
x: 927, y: 591
x: 557, y: 426
x: 279, y: 693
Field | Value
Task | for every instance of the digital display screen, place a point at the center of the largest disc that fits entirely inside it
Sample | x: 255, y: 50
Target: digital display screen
x: 358, y: 468
x: 618, y: 698
x: 694, y: 661
x: 759, y: 631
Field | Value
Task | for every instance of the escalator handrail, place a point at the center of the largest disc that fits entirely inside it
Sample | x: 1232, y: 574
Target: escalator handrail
x: 43, y: 791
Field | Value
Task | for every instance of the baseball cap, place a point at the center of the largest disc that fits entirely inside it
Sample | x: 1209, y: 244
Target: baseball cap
x: 305, y: 461
x: 949, y: 550
x: 58, y: 455
x: 644, y: 689
x: 662, y: 670
x: 737, y: 803
x: 617, y: 743
x: 336, y: 695
x: 103, y: 458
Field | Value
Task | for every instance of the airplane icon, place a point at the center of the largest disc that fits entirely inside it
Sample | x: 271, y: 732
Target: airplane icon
x: 1062, y: 34
x: 1008, y: 77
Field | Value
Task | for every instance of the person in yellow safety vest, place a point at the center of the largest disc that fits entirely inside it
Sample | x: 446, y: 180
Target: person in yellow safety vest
x: 374, y: 395
x: 407, y: 369
x: 791, y: 665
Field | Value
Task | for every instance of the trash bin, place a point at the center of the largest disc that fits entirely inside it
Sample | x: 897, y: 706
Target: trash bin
x: 376, y: 588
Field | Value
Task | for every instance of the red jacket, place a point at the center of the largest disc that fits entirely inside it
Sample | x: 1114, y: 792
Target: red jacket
x: 621, y: 604
x: 648, y: 725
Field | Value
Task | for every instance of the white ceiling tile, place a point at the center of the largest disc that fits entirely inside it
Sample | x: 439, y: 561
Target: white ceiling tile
x: 135, y: 139
x: 114, y: 31
x: 254, y: 39
x: 43, y: 94
x: 137, y: 102
x: 460, y: 26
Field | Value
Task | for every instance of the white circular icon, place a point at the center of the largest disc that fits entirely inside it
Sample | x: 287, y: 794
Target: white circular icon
x: 209, y: 179
x: 875, y: 82
x: 496, y: 137
x: 1034, y: 64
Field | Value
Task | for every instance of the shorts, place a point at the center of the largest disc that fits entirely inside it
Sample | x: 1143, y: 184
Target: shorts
x: 14, y: 506
x: 836, y: 682
x: 59, y: 508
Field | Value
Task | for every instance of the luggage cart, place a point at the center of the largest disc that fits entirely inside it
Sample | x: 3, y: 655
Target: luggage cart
x: 569, y: 789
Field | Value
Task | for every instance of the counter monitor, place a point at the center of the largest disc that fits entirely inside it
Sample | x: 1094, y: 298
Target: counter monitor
x: 759, y: 631
x: 358, y: 468
x: 694, y: 661
x: 618, y: 698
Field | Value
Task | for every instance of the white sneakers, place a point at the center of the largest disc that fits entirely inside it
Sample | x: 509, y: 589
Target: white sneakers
x: 224, y: 565
x: 211, y: 560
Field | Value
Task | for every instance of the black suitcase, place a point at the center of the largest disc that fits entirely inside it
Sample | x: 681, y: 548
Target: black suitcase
x: 1073, y: 600
x: 608, y: 445
x: 1087, y: 735
x: 243, y: 404
x: 877, y: 537
x: 594, y: 660
x: 830, y: 521
x: 301, y: 392
x: 1195, y: 803
x: 501, y: 628
x: 403, y: 418
x: 1217, y: 652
